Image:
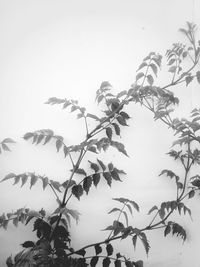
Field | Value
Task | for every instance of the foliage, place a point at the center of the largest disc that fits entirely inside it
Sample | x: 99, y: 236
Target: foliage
x: 53, y: 245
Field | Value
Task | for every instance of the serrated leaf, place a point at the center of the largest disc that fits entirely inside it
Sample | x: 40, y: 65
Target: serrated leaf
x: 106, y: 262
x: 188, y: 79
x: 108, y: 177
x: 87, y: 182
x: 109, y: 132
x: 94, y: 261
x: 80, y: 171
x: 98, y: 249
x: 150, y: 79
x: 77, y: 191
x: 34, y: 179
x: 109, y: 249
x: 96, y: 179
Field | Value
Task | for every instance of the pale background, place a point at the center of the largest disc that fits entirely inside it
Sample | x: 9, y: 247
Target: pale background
x: 66, y: 49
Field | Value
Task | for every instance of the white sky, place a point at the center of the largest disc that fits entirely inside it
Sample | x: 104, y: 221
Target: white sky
x: 66, y: 49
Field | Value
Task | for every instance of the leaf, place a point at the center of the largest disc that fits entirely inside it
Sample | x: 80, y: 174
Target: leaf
x: 114, y: 210
x: 96, y: 179
x: 117, y: 263
x: 134, y: 240
x: 24, y: 178
x: 98, y: 249
x: 188, y: 79
x: 124, y: 115
x: 94, y: 166
x: 108, y: 177
x: 100, y: 98
x: 34, y: 179
x: 59, y: 144
x: 8, y: 140
x: 101, y: 164
x: 129, y: 264
x: 115, y: 175
x: 167, y: 230
x: 8, y: 176
x: 172, y: 69
x: 150, y: 79
x: 77, y: 191
x: 45, y: 182
x: 28, y: 135
x: 5, y: 147
x: 139, y: 263
x: 94, y: 261
x: 47, y: 139
x: 122, y: 93
x: 28, y: 244
x: 121, y: 120
x: 117, y: 128
x: 126, y: 217
x: 56, y: 185
x: 145, y: 242
x: 106, y: 262
x: 17, y: 179
x: 81, y: 252
x: 92, y: 116
x: 87, y: 182
x: 139, y: 75
x: 198, y: 76
x: 9, y: 262
x: 171, y: 61
x: 191, y: 194
x: 144, y: 64
x: 109, y: 132
x: 119, y: 146
x: 154, y: 68
x: 80, y: 171
x: 152, y: 209
x: 109, y: 249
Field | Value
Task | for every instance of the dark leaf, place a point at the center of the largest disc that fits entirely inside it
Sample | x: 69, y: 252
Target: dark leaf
x: 98, y: 249
x: 28, y: 244
x: 8, y: 176
x: 145, y: 242
x: 81, y: 252
x: 109, y: 132
x: 94, y: 166
x: 65, y: 150
x: 121, y: 120
x: 8, y: 140
x: 28, y: 135
x: 56, y: 185
x: 117, y: 128
x: 77, y: 191
x: 108, y: 177
x: 45, y: 182
x: 167, y: 230
x: 119, y: 146
x: 93, y: 117
x: 94, y: 261
x: 139, y: 263
x: 24, y: 178
x: 198, y: 76
x: 47, y: 139
x: 115, y: 175
x: 154, y: 68
x: 101, y: 164
x: 139, y: 75
x: 5, y: 147
x: 87, y: 182
x: 152, y: 209
x: 109, y: 249
x: 117, y: 263
x: 129, y: 264
x: 188, y: 79
x: 124, y: 115
x: 191, y: 194
x: 106, y: 262
x: 9, y: 262
x: 144, y: 64
x: 96, y: 178
x: 34, y: 179
x: 80, y: 171
x: 134, y: 240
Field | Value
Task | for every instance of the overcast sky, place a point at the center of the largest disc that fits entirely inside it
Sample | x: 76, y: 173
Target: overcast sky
x: 66, y: 49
